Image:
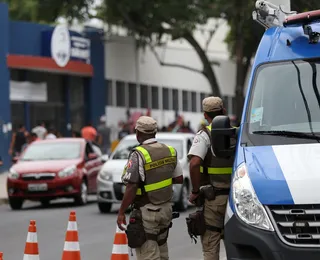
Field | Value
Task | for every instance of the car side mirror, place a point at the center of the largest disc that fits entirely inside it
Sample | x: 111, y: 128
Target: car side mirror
x: 15, y: 159
x: 223, y: 137
x: 92, y: 156
x: 104, y: 158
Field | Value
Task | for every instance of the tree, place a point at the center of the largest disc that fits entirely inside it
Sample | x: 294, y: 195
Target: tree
x: 47, y: 11
x: 148, y: 21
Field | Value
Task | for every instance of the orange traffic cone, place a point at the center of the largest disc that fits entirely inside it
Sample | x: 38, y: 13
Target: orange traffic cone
x: 120, y: 246
x: 1, y: 255
x: 71, y: 250
x: 31, y: 251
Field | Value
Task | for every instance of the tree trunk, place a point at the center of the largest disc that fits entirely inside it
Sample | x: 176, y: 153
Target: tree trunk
x: 208, y: 71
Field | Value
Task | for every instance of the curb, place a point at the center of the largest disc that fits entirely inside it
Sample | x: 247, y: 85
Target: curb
x: 4, y: 201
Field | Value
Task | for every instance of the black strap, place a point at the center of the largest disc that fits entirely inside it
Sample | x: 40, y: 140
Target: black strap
x: 214, y: 228
x: 219, y: 192
x: 154, y: 237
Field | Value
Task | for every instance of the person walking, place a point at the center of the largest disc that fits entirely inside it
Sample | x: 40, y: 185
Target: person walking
x: 151, y: 170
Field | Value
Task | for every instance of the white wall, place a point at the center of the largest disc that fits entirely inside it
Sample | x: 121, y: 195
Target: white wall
x: 123, y: 63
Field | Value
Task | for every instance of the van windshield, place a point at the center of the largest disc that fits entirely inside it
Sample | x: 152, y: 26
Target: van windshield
x: 286, y: 98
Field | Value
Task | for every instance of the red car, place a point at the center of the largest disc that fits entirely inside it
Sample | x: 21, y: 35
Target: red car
x: 51, y: 169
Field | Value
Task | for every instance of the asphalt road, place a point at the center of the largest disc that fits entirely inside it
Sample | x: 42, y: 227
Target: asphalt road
x: 96, y: 232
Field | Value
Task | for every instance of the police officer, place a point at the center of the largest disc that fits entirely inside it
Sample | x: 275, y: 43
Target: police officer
x: 206, y: 169
x: 151, y: 170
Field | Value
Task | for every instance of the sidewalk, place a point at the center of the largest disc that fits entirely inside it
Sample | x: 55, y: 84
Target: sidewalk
x: 3, y: 188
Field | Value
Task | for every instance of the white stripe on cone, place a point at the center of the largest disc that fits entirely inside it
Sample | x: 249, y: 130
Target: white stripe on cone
x: 31, y: 257
x: 72, y: 226
x: 119, y: 230
x: 32, y: 237
x: 71, y: 246
x: 120, y: 249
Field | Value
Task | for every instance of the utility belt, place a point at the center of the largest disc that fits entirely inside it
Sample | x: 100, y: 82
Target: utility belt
x: 136, y: 234
x: 195, y: 221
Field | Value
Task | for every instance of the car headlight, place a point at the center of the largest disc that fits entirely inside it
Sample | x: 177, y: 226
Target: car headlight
x: 107, y: 176
x: 247, y: 205
x: 67, y: 171
x: 13, y: 174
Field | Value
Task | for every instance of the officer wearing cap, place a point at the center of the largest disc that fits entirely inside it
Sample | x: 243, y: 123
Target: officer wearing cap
x: 206, y: 169
x: 150, y: 172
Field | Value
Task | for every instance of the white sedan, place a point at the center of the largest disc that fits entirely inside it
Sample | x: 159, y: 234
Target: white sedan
x: 110, y: 189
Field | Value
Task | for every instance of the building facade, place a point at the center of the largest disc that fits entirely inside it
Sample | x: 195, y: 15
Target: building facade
x: 49, y: 74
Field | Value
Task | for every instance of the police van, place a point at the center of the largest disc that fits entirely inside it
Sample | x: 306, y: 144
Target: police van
x: 273, y: 210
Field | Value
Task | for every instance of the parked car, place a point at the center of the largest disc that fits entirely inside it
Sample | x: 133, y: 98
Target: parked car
x: 57, y: 168
x: 110, y: 186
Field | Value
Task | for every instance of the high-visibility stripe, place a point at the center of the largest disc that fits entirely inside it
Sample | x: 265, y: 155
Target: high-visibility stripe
x: 32, y: 237
x: 158, y: 185
x: 120, y: 249
x: 172, y: 150
x: 159, y: 163
x: 71, y: 246
x: 145, y: 153
x: 155, y: 186
x: 30, y: 257
x: 222, y: 170
x: 72, y: 225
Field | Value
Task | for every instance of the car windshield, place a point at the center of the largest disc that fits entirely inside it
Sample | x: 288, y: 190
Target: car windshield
x: 39, y: 151
x: 124, y: 148
x: 286, y: 99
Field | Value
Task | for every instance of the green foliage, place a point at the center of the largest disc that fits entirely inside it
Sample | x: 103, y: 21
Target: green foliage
x: 47, y: 11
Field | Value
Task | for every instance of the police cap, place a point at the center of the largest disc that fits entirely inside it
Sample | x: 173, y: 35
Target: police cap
x: 212, y: 104
x: 146, y: 124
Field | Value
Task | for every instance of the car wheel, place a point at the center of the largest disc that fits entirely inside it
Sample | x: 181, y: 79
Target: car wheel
x: 82, y: 198
x: 45, y: 203
x: 182, y: 204
x: 104, y: 207
x: 15, y: 204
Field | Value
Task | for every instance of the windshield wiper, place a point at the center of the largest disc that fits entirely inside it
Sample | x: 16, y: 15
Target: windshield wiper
x: 289, y: 134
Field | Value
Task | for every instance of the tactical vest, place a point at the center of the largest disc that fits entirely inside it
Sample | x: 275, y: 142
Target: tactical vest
x: 217, y: 170
x: 159, y: 164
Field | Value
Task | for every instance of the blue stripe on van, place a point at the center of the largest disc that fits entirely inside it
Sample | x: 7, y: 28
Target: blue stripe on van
x: 266, y: 176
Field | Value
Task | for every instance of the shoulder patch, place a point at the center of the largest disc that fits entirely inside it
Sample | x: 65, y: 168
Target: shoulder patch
x: 129, y: 165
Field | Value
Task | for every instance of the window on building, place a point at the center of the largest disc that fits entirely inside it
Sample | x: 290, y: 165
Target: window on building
x: 155, y: 97
x: 193, y: 101
x: 175, y: 100
x: 165, y: 98
x: 202, y: 97
x: 132, y: 95
x: 121, y: 94
x: 110, y: 93
x: 144, y: 97
x: 185, y: 101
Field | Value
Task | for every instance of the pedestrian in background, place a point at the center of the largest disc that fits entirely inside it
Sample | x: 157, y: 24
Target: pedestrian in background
x: 104, y: 133
x: 40, y: 130
x: 89, y: 133
x: 19, y: 138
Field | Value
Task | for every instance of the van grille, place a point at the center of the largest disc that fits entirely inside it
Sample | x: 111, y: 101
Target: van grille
x: 297, y: 225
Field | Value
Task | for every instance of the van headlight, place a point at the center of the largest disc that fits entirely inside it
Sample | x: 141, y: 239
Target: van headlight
x: 67, y: 171
x: 246, y: 202
x: 105, y: 175
x: 13, y: 174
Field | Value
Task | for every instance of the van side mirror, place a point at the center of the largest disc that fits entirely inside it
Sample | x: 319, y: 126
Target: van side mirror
x: 223, y: 137
x: 104, y: 158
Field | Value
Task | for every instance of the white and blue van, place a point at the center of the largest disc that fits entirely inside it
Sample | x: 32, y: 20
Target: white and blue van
x: 273, y: 212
